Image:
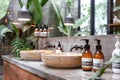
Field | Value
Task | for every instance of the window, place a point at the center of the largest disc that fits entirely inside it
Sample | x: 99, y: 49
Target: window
x: 100, y: 17
x: 85, y: 13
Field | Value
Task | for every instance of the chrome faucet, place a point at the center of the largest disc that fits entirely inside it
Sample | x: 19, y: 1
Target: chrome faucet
x: 49, y: 46
x: 76, y: 47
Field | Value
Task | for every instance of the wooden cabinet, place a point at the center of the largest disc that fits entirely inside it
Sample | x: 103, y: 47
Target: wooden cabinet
x: 12, y: 72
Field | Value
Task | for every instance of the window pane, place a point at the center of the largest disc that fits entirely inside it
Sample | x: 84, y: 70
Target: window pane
x: 100, y: 17
x: 85, y: 13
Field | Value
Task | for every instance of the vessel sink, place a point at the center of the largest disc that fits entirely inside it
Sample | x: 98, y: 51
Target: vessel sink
x: 33, y: 54
x: 62, y: 60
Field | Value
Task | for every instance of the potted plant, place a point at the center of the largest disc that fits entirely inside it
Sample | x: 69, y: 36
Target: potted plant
x: 21, y: 40
x: 23, y: 36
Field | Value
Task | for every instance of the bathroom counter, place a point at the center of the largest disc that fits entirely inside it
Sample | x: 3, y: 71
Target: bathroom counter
x: 39, y: 71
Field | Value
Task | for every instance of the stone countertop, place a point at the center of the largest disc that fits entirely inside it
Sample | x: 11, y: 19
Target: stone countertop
x: 39, y: 68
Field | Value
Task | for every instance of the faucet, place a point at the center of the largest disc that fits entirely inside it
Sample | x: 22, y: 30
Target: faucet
x: 76, y: 47
x: 49, y: 46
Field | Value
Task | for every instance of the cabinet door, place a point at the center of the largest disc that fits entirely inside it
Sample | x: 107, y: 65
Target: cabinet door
x: 12, y: 72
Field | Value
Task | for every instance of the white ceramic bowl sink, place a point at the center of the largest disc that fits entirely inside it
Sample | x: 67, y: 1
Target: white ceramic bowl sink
x: 33, y: 54
x: 62, y: 60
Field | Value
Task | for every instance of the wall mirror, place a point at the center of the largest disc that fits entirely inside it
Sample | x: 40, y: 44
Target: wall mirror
x: 82, y: 11
x: 94, y: 17
x: 91, y: 17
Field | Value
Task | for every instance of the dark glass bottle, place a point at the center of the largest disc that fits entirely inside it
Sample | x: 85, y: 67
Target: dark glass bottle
x: 40, y: 31
x: 45, y: 31
x: 87, y: 57
x: 59, y: 48
x: 98, y: 57
x: 36, y: 33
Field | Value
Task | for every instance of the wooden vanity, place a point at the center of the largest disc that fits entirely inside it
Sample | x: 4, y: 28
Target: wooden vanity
x: 13, y: 72
x: 17, y: 69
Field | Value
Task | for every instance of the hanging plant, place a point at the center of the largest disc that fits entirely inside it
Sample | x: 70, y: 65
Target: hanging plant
x: 35, y: 9
x: 67, y: 30
x: 4, y: 4
x: 25, y: 40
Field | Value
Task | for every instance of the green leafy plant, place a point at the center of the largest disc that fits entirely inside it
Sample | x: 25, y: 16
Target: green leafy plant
x: 20, y: 42
x: 67, y: 30
x: 4, y: 4
x: 69, y: 4
x: 3, y: 31
x: 72, y: 30
x: 35, y: 9
x: 25, y: 38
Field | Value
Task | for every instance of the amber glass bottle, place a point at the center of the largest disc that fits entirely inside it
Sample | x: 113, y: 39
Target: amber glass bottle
x: 98, y: 57
x: 87, y: 57
x: 45, y: 31
x: 41, y: 32
x: 36, y: 33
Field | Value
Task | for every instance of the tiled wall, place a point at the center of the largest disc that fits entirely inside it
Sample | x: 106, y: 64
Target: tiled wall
x: 107, y: 42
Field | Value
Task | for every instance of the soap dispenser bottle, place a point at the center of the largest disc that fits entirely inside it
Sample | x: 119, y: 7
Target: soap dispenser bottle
x: 36, y: 33
x: 87, y: 57
x: 45, y: 31
x: 98, y: 57
x: 116, y: 51
x: 41, y: 31
x: 59, y: 48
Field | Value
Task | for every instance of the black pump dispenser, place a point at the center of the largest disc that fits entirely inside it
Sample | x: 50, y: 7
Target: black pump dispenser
x: 98, y: 57
x: 86, y: 46
x: 59, y: 45
x: 59, y: 48
x: 98, y: 46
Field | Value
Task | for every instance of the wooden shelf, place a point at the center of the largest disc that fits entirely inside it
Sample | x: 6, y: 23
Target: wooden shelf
x: 114, y: 24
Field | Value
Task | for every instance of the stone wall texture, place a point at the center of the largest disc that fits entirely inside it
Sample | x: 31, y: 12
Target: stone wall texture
x: 107, y: 42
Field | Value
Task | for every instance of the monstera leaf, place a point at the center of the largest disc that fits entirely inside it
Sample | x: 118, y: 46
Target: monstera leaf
x: 4, y: 4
